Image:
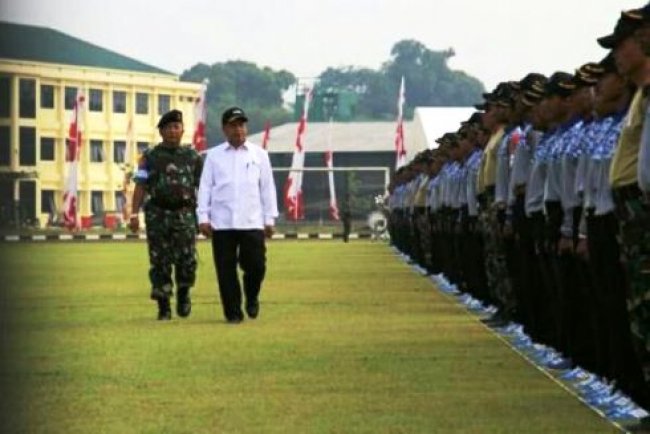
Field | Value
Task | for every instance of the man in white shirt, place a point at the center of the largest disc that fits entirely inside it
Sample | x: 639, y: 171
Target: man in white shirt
x: 237, y: 207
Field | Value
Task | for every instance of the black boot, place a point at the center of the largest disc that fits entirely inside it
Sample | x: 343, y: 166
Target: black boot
x: 183, y: 302
x: 164, y: 308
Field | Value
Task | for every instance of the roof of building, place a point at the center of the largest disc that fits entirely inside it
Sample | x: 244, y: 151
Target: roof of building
x: 343, y: 136
x: 429, y: 123
x: 42, y: 44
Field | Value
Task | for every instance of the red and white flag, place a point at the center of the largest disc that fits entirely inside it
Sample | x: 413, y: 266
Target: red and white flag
x: 293, y: 200
x: 73, y: 150
x: 267, y: 135
x: 400, y: 149
x: 130, y: 143
x: 200, y: 119
x: 333, y: 207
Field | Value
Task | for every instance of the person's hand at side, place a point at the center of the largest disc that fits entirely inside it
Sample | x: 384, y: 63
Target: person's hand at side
x: 268, y: 231
x: 205, y: 229
x: 134, y: 223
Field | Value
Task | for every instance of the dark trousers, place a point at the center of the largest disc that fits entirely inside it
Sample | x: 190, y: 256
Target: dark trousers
x: 246, y: 247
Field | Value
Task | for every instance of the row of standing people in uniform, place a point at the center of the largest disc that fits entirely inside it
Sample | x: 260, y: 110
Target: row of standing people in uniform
x: 540, y: 205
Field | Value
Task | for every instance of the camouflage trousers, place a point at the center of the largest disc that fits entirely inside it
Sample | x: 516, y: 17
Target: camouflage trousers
x: 496, y: 266
x: 171, y: 240
x: 635, y: 241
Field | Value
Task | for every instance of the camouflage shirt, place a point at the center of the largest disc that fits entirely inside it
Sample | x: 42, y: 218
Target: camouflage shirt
x: 171, y: 175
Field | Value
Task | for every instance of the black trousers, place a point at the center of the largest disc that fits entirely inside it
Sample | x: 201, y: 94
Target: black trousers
x: 248, y: 249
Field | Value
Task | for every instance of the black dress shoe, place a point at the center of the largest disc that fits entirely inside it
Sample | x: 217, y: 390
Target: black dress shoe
x: 253, y: 309
x: 164, y: 309
x: 183, y: 302
x: 235, y: 320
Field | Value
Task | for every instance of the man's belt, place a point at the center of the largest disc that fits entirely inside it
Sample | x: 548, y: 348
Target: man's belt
x: 172, y: 207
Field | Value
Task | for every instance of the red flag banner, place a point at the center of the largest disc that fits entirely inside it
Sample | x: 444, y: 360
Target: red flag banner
x: 267, y: 135
x: 293, y: 200
x: 329, y: 163
x: 73, y: 150
x: 400, y: 149
x: 200, y: 119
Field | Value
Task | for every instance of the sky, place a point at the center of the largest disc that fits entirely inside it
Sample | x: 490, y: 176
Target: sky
x: 494, y: 40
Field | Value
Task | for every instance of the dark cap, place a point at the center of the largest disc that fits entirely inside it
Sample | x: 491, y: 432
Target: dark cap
x: 532, y: 82
x: 587, y: 75
x: 232, y: 114
x: 475, y: 118
x: 169, y: 117
x: 448, y: 139
x: 559, y: 84
x: 627, y: 23
x: 531, y: 98
x: 608, y: 64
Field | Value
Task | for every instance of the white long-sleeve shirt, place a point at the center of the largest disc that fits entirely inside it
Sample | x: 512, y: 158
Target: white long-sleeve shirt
x: 237, y: 190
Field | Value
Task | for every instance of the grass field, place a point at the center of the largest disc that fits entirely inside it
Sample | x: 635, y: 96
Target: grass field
x: 349, y: 340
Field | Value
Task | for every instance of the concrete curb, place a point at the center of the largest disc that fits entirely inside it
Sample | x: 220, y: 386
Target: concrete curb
x: 139, y: 237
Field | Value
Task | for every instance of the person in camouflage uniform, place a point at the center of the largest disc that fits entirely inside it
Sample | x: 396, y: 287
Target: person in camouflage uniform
x: 166, y: 180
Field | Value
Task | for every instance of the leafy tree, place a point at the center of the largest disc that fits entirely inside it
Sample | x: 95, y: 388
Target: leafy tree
x: 429, y: 82
x: 257, y: 90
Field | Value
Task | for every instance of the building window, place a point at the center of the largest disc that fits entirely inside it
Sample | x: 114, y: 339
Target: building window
x: 120, y: 201
x: 163, y: 104
x: 47, y: 96
x: 119, y: 151
x: 70, y: 97
x: 27, y: 152
x: 96, y: 151
x: 142, y: 103
x: 142, y: 147
x: 96, y: 100
x: 119, y: 101
x: 27, y: 108
x: 5, y: 146
x: 48, y: 205
x: 47, y: 149
x: 5, y: 97
x: 97, y: 202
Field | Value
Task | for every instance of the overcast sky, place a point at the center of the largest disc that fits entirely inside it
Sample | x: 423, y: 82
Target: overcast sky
x: 494, y: 40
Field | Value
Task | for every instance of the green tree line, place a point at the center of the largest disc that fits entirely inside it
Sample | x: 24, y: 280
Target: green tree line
x: 259, y: 90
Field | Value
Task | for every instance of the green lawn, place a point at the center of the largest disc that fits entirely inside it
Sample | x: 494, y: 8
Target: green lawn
x: 349, y: 340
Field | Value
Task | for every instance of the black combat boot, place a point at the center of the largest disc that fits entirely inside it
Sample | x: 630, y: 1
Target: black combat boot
x: 164, y: 308
x: 183, y: 302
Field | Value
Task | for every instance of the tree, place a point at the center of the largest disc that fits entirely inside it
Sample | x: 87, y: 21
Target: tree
x: 428, y: 77
x: 238, y: 83
x: 429, y: 82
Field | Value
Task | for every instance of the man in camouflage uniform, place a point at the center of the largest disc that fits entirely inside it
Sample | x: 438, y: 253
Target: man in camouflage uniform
x: 166, y: 180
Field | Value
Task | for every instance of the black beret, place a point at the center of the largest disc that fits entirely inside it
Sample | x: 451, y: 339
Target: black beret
x: 169, y: 117
x: 233, y: 113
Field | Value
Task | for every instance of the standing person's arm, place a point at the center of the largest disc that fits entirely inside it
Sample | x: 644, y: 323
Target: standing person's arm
x: 204, y: 199
x: 136, y: 203
x: 268, y: 195
x: 140, y: 178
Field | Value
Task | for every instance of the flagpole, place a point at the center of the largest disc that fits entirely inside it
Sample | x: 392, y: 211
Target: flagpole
x: 329, y: 163
x: 293, y: 199
x: 75, y: 137
x: 200, y: 118
x: 400, y: 148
